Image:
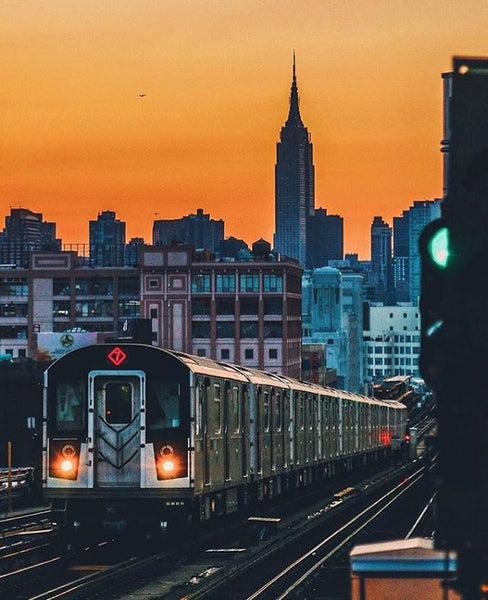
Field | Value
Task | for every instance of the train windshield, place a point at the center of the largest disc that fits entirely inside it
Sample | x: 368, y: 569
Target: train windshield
x: 163, y: 405
x: 70, y: 397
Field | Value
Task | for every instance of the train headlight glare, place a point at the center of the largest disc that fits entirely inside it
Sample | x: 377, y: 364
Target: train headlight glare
x: 66, y: 465
x: 168, y: 466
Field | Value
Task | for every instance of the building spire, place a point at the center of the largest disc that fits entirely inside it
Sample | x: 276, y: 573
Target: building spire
x: 294, y: 118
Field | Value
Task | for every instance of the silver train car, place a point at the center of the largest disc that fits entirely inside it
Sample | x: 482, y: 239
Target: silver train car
x: 137, y: 438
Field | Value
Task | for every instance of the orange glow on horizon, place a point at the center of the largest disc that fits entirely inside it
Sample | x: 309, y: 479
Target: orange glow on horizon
x: 77, y: 138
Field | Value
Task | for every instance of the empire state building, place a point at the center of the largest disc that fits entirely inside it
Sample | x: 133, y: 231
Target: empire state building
x: 294, y: 183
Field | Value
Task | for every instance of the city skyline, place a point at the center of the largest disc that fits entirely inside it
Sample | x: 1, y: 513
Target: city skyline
x: 155, y: 110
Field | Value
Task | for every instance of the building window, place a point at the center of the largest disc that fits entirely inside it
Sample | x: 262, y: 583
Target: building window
x: 249, y: 306
x: 225, y: 306
x: 153, y: 283
x: 273, y: 353
x: 61, y: 308
x: 61, y: 286
x: 273, y: 329
x: 391, y: 315
x: 249, y: 329
x: 249, y: 354
x: 225, y: 282
x: 129, y: 286
x: 249, y: 282
x: 225, y: 354
x: 272, y: 282
x: 154, y: 313
x: 273, y: 306
x: 202, y: 352
x: 200, y: 330
x: 200, y: 306
x: 201, y: 283
x: 154, y: 336
x: 22, y: 353
x: 129, y: 308
x: 225, y: 329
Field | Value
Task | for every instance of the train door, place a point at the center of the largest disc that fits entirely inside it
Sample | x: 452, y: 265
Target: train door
x: 114, y: 426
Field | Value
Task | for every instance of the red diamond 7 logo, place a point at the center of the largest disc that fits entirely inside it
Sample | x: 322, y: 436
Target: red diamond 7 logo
x: 117, y: 356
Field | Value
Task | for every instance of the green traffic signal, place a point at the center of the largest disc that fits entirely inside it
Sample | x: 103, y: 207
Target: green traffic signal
x: 438, y: 247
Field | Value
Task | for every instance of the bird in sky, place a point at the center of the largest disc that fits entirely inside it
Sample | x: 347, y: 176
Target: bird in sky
x: 142, y: 95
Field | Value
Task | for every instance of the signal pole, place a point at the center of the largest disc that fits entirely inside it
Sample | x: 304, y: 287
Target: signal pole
x: 454, y: 340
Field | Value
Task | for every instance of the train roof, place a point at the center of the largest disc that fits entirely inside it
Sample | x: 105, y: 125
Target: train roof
x: 213, y: 368
x: 207, y: 366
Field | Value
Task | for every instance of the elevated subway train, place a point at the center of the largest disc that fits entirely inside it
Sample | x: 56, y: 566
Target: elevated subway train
x: 140, y: 438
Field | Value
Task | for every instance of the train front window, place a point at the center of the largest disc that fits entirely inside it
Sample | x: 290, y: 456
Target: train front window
x: 163, y: 405
x: 70, y: 397
x: 118, y: 402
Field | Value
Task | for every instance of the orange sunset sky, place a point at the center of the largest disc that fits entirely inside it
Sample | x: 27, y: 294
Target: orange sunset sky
x: 76, y: 138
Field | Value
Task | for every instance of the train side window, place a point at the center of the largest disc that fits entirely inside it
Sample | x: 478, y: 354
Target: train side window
x: 301, y: 412
x: 278, y: 412
x: 236, y: 409
x: 163, y: 405
x: 217, y: 409
x: 70, y: 397
x: 266, y: 411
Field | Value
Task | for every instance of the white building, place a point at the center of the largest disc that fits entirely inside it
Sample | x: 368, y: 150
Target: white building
x: 392, y: 341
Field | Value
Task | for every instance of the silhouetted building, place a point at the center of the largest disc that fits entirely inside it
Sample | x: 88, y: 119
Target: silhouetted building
x: 107, y: 240
x: 294, y: 183
x: 25, y: 232
x: 401, y: 257
x: 198, y: 230
x: 325, y: 239
x: 381, y: 260
x: 234, y: 249
x: 133, y: 252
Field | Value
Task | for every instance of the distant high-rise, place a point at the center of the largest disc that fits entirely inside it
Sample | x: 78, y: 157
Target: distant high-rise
x: 197, y: 229
x: 381, y: 259
x: 107, y: 240
x: 294, y: 183
x: 25, y: 232
x: 420, y: 214
x: 325, y: 239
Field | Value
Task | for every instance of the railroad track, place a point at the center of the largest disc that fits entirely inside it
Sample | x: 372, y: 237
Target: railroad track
x: 179, y: 571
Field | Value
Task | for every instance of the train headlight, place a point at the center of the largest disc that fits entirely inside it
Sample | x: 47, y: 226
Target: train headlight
x: 168, y: 466
x: 171, y: 459
x: 64, y: 459
x: 67, y: 465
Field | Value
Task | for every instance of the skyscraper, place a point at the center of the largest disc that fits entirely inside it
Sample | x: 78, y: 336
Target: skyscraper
x: 294, y: 183
x: 107, y: 240
x: 325, y: 239
x: 381, y: 259
x: 25, y: 232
